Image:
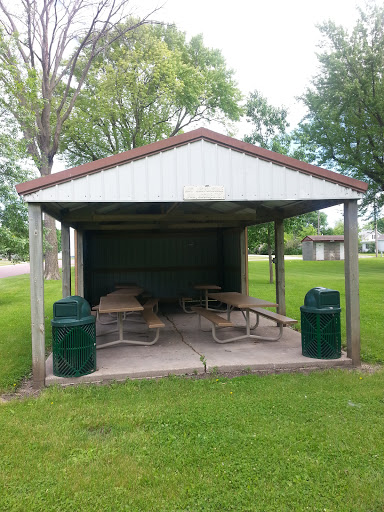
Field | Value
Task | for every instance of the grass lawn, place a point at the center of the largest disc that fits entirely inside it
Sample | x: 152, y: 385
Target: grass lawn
x: 15, y: 326
x: 274, y: 443
x: 289, y: 442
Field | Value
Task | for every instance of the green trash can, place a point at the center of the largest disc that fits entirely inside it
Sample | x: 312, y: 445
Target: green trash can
x: 320, y: 324
x: 73, y: 338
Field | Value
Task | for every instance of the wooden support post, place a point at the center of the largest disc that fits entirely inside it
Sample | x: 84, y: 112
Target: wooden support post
x: 351, y: 270
x: 79, y: 264
x: 220, y: 258
x: 244, y: 260
x: 75, y: 244
x: 66, y: 260
x: 37, y: 293
x: 279, y: 266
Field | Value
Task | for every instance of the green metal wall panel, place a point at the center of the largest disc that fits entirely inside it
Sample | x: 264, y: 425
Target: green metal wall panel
x: 231, y: 260
x: 166, y: 265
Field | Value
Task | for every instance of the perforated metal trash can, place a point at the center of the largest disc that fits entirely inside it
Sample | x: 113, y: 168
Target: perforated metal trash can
x: 320, y: 324
x: 73, y: 338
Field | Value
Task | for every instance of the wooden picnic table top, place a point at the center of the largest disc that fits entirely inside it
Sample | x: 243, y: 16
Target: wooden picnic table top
x: 128, y: 290
x: 119, y: 304
x: 207, y: 287
x: 241, y: 301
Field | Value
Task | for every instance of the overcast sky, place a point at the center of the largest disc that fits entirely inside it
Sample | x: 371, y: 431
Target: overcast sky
x: 270, y: 44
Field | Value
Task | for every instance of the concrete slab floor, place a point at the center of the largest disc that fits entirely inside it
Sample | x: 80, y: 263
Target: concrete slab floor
x: 183, y: 349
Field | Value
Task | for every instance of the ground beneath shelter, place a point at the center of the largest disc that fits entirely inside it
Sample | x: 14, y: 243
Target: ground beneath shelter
x: 182, y: 349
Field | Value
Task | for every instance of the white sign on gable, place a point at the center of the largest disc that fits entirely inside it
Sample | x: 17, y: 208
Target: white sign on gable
x: 204, y: 193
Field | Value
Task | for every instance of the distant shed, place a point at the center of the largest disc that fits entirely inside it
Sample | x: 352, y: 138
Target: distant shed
x: 323, y: 247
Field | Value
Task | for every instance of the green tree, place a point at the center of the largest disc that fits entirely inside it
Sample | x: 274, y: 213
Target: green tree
x: 345, y: 120
x: 14, y: 243
x: 41, y: 46
x: 148, y: 86
x: 370, y: 226
x: 338, y: 228
x: 269, y: 124
x: 309, y: 223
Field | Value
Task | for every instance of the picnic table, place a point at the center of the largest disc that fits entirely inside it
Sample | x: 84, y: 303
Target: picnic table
x: 246, y: 304
x: 205, y: 288
x: 125, y: 303
x: 127, y: 290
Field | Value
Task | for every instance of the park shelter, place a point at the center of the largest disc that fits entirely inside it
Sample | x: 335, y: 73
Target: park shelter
x: 323, y: 247
x: 176, y: 211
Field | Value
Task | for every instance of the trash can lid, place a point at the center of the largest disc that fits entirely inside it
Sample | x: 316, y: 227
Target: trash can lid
x: 73, y: 307
x: 322, y: 298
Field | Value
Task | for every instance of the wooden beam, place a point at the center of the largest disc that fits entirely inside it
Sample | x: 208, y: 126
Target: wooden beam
x: 351, y: 271
x: 66, y: 260
x: 279, y: 266
x: 162, y: 217
x: 75, y: 244
x: 37, y: 293
x: 159, y: 226
x: 244, y: 260
x: 79, y: 264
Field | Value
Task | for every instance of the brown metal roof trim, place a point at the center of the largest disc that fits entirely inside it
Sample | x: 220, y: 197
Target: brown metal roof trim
x: 323, y: 238
x: 180, y: 140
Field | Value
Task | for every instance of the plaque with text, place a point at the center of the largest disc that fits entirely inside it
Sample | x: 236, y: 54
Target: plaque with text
x: 204, y: 193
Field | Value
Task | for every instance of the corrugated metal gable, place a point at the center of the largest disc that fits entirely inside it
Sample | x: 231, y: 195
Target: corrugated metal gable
x: 161, y: 178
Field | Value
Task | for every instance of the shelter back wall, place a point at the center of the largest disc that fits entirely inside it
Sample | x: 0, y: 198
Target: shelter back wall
x: 166, y: 265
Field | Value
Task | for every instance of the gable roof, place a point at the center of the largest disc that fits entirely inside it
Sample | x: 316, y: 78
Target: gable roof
x: 369, y: 235
x: 323, y: 238
x: 32, y: 186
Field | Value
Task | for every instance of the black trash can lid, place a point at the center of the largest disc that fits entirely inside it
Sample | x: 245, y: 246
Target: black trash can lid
x: 73, y: 309
x: 322, y: 299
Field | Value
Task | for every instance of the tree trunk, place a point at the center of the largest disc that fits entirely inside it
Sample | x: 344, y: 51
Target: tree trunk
x: 51, y: 269
x: 375, y: 221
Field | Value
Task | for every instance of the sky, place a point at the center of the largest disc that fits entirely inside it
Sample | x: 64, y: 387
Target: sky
x: 271, y: 44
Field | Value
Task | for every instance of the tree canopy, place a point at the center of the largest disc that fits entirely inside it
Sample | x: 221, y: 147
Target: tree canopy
x: 269, y: 123
x: 14, y: 243
x: 46, y: 50
x: 345, y: 121
x: 147, y: 86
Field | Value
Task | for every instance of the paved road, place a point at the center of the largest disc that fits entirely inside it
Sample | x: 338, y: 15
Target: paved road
x: 14, y: 270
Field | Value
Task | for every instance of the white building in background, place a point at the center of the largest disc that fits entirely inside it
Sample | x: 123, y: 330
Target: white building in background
x: 368, y: 237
